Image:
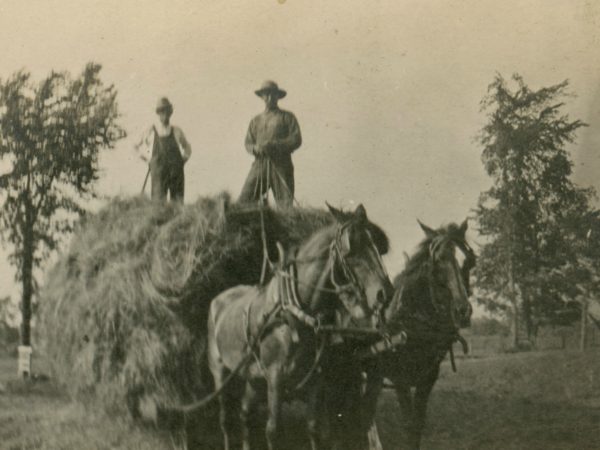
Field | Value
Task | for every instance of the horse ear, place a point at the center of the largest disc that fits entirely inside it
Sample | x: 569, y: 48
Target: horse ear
x: 463, y: 227
x: 429, y: 232
x: 339, y: 215
x: 360, y: 213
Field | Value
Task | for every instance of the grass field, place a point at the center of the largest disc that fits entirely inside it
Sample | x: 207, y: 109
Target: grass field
x: 536, y: 400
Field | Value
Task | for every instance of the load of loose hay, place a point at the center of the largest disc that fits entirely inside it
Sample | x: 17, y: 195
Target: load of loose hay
x: 124, y: 309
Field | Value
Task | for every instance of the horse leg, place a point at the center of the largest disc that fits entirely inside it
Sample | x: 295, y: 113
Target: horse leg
x: 225, y: 418
x: 315, y: 413
x: 420, y: 411
x: 371, y: 390
x: 245, y: 412
x: 349, y: 432
x: 405, y: 401
x: 274, y: 392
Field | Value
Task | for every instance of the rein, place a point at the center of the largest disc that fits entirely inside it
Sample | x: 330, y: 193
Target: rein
x: 287, y: 300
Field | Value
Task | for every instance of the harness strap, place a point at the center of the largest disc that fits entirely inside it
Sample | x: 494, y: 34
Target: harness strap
x: 289, y: 298
x: 302, y: 316
x: 313, y: 368
x: 452, y: 358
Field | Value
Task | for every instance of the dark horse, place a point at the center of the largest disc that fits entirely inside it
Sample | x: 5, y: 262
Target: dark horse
x: 264, y: 339
x: 430, y: 306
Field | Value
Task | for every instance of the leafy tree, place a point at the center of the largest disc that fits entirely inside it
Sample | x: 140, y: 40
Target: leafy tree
x: 533, y: 213
x: 50, y: 137
x: 583, y: 270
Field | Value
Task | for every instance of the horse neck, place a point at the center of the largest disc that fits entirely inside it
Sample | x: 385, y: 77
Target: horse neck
x: 313, y: 273
x: 412, y: 288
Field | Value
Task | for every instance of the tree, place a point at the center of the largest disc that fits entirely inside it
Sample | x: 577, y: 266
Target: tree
x: 533, y: 212
x: 51, y: 134
x: 583, y: 271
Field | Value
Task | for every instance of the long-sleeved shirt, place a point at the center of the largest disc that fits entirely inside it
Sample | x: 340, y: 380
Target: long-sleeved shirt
x: 146, y: 142
x: 275, y: 133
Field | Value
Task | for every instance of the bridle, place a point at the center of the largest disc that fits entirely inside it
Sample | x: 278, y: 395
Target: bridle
x: 411, y: 315
x: 353, y: 284
x: 337, y: 261
x: 434, y: 248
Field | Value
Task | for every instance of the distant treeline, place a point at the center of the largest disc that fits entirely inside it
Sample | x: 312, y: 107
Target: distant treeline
x: 489, y: 326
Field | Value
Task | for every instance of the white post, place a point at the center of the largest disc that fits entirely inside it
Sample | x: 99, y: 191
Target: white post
x: 24, y: 365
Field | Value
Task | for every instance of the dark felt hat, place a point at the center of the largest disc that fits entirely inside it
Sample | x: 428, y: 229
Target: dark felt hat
x: 270, y: 86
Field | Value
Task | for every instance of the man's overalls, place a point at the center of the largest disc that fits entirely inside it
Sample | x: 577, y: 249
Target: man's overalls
x: 166, y: 168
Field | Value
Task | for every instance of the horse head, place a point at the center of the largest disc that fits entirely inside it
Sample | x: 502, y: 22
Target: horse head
x: 357, y: 269
x: 439, y: 272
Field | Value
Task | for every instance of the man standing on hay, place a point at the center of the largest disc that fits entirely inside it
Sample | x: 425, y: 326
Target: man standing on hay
x: 167, y: 150
x: 272, y: 137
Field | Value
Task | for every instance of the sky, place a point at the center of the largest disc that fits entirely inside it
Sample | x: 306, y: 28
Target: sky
x: 387, y: 93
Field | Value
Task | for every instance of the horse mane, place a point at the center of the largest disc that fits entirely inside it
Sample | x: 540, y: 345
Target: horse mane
x: 380, y: 238
x: 418, y: 261
x: 318, y: 242
x: 414, y: 265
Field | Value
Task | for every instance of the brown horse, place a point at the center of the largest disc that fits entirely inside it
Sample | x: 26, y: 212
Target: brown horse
x: 431, y: 305
x: 265, y: 338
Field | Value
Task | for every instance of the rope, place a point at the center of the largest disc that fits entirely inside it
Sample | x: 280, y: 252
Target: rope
x: 313, y: 368
x: 282, y: 180
x: 146, y: 180
x: 202, y: 403
x: 263, y: 232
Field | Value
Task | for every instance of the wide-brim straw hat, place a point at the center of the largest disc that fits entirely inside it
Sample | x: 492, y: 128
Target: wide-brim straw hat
x: 163, y: 104
x: 270, y: 86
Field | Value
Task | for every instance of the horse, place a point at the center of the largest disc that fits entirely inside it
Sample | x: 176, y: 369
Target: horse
x: 423, y: 320
x: 265, y: 338
x: 431, y: 305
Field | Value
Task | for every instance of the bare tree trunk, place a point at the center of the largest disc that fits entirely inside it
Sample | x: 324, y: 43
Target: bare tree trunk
x: 27, y: 283
x: 515, y: 305
x: 527, y: 318
x: 583, y: 329
x: 533, y: 334
x: 514, y: 329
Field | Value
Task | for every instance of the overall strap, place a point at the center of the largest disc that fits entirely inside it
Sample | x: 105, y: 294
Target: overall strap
x: 155, y: 143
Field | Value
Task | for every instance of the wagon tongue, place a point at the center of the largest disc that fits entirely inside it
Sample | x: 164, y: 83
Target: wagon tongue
x: 389, y: 343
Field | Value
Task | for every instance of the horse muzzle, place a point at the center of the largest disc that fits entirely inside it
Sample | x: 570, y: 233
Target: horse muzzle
x: 463, y: 314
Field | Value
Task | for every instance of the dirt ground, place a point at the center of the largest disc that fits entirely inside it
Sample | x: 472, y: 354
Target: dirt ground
x: 536, y: 400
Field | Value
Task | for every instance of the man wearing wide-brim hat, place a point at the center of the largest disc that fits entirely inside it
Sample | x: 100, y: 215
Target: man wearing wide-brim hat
x: 272, y: 137
x: 167, y: 150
